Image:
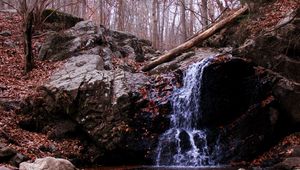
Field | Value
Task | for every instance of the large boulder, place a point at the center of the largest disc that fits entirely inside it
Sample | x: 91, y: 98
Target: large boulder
x: 103, y: 105
x: 83, y: 36
x: 57, y: 20
x: 48, y: 163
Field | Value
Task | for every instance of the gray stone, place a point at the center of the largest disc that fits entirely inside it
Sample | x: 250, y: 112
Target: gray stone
x: 292, y: 163
x: 5, y: 168
x: 288, y: 95
x: 9, y: 43
x: 17, y: 159
x: 6, y: 33
x: 6, y: 154
x: 84, y: 35
x: 295, y: 151
x: 107, y: 55
x: 105, y: 96
x: 48, y: 163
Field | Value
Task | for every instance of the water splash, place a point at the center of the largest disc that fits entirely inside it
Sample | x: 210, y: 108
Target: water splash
x: 184, y: 144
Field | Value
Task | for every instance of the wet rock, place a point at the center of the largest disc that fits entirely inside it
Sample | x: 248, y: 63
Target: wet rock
x: 48, y: 163
x: 5, y: 33
x: 185, y: 141
x: 107, y: 56
x: 221, y: 96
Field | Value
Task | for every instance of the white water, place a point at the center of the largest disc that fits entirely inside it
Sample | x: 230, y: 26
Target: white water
x: 184, y: 144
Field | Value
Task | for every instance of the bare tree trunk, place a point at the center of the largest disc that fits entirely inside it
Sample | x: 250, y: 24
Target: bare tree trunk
x: 121, y: 15
x: 183, y: 21
x: 220, y: 5
x: 192, y: 19
x: 1, y: 4
x: 158, y: 24
x: 27, y: 33
x: 172, y: 32
x: 154, y: 24
x: 211, y: 11
x: 164, y: 18
x: 194, y: 41
x: 204, y: 13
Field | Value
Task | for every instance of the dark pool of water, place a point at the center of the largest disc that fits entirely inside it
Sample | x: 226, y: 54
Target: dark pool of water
x: 160, y: 168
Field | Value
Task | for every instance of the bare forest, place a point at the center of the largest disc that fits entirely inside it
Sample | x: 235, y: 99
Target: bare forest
x: 166, y: 23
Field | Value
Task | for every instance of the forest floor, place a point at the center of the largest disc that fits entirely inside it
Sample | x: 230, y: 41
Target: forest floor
x: 15, y: 86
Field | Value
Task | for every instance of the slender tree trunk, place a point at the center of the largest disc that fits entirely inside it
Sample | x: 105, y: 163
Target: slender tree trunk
x: 121, y: 15
x: 211, y: 11
x: 183, y: 28
x: 192, y: 19
x: 154, y: 24
x: 1, y: 4
x: 172, y: 32
x: 27, y: 33
x: 220, y: 5
x: 101, y: 12
x: 204, y: 13
x: 162, y: 30
x: 158, y: 24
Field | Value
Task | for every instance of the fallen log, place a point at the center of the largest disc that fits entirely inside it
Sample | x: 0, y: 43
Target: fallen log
x: 195, y: 40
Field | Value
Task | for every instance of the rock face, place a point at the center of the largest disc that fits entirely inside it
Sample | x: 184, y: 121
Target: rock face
x: 97, y: 94
x: 277, y: 51
x: 57, y: 20
x: 275, y: 54
x: 87, y: 38
x: 48, y: 163
x: 85, y: 35
x: 9, y: 155
x: 233, y: 84
x: 288, y: 163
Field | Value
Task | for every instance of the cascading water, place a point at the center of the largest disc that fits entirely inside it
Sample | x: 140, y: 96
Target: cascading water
x: 184, y: 144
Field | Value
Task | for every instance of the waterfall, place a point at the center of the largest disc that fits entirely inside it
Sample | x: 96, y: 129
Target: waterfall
x: 184, y: 144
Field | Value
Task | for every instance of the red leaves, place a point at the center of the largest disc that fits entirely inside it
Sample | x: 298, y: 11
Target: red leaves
x: 272, y: 14
x: 16, y: 84
x: 282, y: 150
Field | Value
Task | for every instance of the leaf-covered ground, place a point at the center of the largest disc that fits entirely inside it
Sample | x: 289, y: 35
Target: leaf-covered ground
x: 15, y: 86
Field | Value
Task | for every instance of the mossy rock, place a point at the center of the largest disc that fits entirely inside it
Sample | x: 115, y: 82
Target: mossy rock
x: 59, y: 20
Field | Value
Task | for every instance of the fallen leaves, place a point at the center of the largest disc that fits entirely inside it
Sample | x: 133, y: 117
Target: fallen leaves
x: 16, y: 86
x: 271, y: 14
